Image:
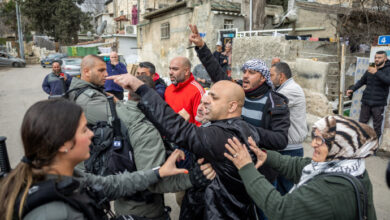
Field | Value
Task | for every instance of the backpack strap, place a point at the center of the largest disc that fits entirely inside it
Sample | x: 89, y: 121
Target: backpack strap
x: 66, y: 191
x: 360, y: 192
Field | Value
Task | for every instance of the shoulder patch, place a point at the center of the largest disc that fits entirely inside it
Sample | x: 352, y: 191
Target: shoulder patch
x: 89, y: 93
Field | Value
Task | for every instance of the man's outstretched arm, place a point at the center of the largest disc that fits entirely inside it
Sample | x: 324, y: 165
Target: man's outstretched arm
x: 211, y: 64
x: 173, y: 126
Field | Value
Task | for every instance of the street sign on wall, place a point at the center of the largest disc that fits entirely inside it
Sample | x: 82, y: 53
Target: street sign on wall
x: 384, y: 40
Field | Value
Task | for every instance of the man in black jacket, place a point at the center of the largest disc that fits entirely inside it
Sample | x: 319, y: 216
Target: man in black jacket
x: 148, y: 69
x: 263, y: 107
x: 225, y: 196
x: 374, y: 100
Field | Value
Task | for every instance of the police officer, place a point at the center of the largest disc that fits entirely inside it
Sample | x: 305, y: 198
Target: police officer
x: 45, y: 185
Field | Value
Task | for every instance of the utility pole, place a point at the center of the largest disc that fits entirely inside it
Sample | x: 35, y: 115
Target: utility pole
x: 342, y: 80
x: 250, y: 15
x: 20, y: 33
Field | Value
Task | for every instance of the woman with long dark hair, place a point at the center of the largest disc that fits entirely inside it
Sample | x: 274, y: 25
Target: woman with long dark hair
x: 55, y: 139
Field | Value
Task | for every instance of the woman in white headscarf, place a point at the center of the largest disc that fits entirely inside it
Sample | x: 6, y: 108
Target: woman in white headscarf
x: 340, y: 146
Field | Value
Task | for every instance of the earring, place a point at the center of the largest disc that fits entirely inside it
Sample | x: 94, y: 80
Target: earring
x: 66, y: 150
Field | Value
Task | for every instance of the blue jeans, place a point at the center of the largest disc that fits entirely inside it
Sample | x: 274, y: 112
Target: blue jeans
x: 283, y: 185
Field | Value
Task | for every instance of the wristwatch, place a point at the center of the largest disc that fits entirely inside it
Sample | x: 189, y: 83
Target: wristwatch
x: 156, y: 171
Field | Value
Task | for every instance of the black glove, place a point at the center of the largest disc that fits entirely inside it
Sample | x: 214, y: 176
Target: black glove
x: 197, y: 178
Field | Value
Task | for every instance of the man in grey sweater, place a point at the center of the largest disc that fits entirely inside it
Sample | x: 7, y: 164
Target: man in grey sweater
x: 284, y: 83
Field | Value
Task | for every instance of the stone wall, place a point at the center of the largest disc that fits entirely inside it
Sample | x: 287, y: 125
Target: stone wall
x: 161, y: 51
x: 314, y: 64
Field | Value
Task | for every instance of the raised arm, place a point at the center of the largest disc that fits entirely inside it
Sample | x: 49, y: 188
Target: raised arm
x: 198, y: 140
x: 211, y: 64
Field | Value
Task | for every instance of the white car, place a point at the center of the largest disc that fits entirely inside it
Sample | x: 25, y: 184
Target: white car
x: 71, y: 66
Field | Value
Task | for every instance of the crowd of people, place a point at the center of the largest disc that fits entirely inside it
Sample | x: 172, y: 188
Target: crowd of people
x: 235, y: 152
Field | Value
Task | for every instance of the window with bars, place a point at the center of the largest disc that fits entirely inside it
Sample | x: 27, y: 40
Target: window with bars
x: 228, y: 24
x: 165, y: 32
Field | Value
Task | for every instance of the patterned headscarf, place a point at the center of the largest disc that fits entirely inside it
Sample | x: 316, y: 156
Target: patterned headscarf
x: 346, y: 138
x: 259, y: 66
x: 349, y: 142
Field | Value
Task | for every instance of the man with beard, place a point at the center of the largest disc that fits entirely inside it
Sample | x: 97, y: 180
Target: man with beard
x: 53, y: 83
x: 374, y: 100
x: 148, y: 69
x: 148, y: 149
x: 263, y: 107
x: 90, y: 90
x: 184, y: 94
x: 114, y: 67
x: 225, y: 196
x: 284, y: 83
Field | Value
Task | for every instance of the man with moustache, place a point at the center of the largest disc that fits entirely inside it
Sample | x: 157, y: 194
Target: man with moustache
x: 263, y: 107
x: 89, y: 90
x: 184, y: 94
x: 148, y: 69
x: 89, y: 94
x: 225, y: 196
x: 374, y: 100
x: 284, y: 83
x: 114, y: 67
x: 53, y: 84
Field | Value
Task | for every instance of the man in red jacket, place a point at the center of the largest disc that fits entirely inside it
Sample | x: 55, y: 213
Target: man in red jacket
x: 184, y: 94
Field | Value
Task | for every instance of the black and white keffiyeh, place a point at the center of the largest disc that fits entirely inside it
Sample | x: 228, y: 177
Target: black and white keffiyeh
x: 354, y: 167
x: 259, y: 66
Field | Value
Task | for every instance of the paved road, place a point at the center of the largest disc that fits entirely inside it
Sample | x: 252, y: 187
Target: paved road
x: 21, y: 87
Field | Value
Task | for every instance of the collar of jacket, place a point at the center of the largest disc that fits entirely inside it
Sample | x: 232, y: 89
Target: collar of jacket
x: 100, y: 88
x: 284, y: 84
x: 56, y: 74
x: 387, y: 64
x: 185, y: 83
x: 227, y: 120
x: 82, y: 83
x: 156, y: 77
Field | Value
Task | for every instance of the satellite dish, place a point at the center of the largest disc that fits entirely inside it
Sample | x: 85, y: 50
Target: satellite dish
x: 100, y: 29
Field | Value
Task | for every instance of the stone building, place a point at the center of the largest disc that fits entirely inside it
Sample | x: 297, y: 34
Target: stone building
x: 163, y: 33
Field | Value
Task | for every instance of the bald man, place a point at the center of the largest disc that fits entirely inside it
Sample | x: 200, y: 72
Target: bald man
x: 225, y: 196
x: 184, y: 94
x: 148, y: 148
x: 89, y: 89
x: 114, y: 67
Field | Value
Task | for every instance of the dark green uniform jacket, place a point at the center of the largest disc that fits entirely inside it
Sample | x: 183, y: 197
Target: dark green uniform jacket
x: 321, y: 198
